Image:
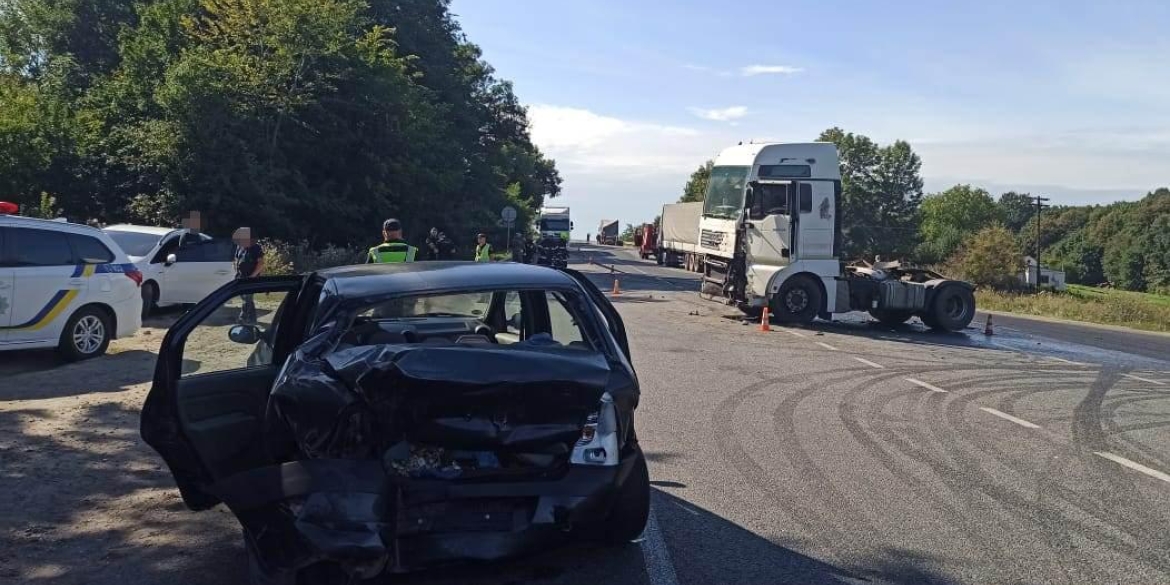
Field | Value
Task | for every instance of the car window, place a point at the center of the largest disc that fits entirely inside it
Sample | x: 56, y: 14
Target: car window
x: 209, y: 348
x: 134, y: 243
x: 90, y: 250
x: 453, y: 305
x: 565, y: 328
x: 35, y: 247
x: 203, y: 248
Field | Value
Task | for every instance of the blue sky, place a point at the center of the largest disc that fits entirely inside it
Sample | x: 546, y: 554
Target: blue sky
x: 1069, y: 98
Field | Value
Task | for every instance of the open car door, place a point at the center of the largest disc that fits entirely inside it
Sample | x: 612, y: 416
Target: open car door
x: 205, y: 410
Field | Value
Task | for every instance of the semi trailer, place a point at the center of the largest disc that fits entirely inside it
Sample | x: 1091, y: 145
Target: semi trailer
x: 770, y: 236
x: 678, y: 236
x: 607, y: 232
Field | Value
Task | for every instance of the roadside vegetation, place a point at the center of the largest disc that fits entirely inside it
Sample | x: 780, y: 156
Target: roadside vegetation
x: 308, y: 120
x: 1147, y: 311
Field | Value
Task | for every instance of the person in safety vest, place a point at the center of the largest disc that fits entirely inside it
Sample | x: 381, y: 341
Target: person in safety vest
x: 393, y: 248
x: 483, y: 250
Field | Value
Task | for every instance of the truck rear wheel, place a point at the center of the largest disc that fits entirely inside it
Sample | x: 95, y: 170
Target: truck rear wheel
x: 890, y: 317
x: 798, y: 301
x: 952, y: 309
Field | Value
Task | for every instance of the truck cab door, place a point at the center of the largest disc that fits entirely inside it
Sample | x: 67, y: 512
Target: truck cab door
x: 205, y: 410
x: 768, y: 229
x: 813, y: 202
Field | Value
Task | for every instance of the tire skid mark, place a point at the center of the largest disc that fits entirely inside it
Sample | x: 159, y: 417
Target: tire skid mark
x: 1050, y: 514
x: 871, y: 440
x: 1115, y: 431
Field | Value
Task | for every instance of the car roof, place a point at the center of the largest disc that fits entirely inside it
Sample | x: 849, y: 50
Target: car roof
x: 142, y: 229
x: 414, y: 277
x: 48, y: 224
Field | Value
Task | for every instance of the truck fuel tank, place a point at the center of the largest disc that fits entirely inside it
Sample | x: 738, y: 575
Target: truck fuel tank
x: 897, y: 294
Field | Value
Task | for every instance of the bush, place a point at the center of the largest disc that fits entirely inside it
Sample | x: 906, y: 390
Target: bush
x: 284, y: 258
x: 990, y: 258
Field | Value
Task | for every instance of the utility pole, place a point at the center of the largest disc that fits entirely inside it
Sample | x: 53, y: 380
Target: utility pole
x: 1039, y: 206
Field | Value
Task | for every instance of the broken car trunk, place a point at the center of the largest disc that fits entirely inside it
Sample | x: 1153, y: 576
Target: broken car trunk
x: 395, y: 448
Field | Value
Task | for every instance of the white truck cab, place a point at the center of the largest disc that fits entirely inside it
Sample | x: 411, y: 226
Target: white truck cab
x: 770, y: 236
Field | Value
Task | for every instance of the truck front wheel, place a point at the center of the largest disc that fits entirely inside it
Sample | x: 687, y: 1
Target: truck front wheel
x: 953, y: 309
x: 798, y: 301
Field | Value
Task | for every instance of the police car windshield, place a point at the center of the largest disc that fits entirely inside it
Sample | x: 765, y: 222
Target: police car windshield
x: 134, y: 243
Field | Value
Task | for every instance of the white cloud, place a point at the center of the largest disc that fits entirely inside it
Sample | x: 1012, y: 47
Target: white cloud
x: 721, y: 114
x: 753, y: 70
x: 582, y: 139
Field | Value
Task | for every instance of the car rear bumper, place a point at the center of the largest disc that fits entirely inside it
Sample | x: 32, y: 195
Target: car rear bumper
x: 352, y: 513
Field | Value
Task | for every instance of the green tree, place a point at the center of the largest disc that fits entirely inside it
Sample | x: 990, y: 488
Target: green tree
x: 990, y: 257
x: 696, y: 187
x: 1078, y: 257
x: 881, y: 193
x: 950, y: 216
x: 1015, y: 209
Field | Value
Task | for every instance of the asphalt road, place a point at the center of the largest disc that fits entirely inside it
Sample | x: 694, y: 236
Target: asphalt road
x: 849, y: 452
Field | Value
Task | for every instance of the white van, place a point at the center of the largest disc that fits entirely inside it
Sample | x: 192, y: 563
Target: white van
x: 64, y: 285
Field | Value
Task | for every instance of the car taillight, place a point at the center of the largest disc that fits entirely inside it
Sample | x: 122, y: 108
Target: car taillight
x: 9, y: 208
x: 598, y: 444
x: 134, y: 275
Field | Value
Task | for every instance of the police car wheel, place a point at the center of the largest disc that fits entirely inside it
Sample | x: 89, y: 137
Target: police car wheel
x: 86, y: 334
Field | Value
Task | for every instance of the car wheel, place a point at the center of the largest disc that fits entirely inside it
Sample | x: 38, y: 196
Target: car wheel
x: 631, y: 506
x: 890, y: 317
x: 86, y: 334
x: 953, y: 308
x: 149, y: 299
x: 323, y: 573
x: 798, y: 301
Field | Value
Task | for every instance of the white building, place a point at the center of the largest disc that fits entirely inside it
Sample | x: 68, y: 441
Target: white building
x: 1049, y: 278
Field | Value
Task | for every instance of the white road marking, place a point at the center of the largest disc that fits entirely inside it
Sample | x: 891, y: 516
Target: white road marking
x: 1067, y: 361
x: 1133, y: 465
x: 659, y: 567
x: 930, y: 387
x: 869, y: 363
x: 826, y: 346
x: 1131, y: 376
x: 1003, y: 346
x: 693, y: 512
x: 1006, y: 416
x: 792, y: 332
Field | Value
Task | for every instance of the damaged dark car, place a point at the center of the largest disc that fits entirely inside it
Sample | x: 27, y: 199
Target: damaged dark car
x: 383, y: 418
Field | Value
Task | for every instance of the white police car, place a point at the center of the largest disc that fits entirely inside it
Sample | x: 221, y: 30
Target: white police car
x: 64, y: 285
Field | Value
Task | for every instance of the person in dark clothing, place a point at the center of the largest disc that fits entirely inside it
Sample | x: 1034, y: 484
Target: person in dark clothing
x: 518, y: 248
x: 439, y: 246
x: 249, y: 264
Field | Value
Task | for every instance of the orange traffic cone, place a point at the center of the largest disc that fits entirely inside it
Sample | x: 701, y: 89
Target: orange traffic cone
x: 987, y: 327
x: 765, y: 320
x: 617, y: 289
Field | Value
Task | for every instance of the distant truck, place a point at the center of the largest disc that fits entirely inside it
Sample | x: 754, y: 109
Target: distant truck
x: 555, y: 221
x: 678, y: 236
x: 607, y: 232
x: 646, y: 241
x: 770, y: 236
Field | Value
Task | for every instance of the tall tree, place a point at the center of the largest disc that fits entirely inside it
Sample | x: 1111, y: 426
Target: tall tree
x: 696, y: 187
x: 949, y: 217
x: 1015, y: 209
x: 881, y: 192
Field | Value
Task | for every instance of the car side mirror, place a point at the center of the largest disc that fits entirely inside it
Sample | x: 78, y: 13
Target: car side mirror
x: 246, y: 334
x: 171, y: 259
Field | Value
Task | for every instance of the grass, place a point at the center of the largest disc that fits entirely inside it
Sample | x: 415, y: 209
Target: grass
x: 1146, y: 311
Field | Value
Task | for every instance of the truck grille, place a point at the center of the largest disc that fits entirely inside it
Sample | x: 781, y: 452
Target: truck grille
x: 710, y: 239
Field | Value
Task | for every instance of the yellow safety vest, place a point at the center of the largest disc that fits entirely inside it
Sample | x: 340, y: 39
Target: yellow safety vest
x: 483, y: 253
x: 392, y: 252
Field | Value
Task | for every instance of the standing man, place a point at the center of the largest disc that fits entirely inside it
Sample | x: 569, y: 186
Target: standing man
x: 483, y: 250
x: 440, y: 247
x: 518, y: 248
x: 393, y: 248
x: 249, y: 264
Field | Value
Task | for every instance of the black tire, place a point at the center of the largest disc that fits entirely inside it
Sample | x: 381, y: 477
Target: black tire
x: 86, y: 335
x: 631, y: 507
x: 952, y: 309
x: 891, y: 317
x: 798, y: 301
x: 324, y: 573
x: 149, y: 299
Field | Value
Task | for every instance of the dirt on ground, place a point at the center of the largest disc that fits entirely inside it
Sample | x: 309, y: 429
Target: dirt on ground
x: 82, y: 498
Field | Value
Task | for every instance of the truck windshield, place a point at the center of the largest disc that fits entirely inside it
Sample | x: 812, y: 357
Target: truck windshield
x: 725, y: 192
x: 554, y: 225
